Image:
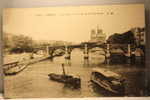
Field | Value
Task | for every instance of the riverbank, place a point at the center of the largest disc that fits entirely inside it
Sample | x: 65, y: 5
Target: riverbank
x: 8, y: 58
x: 21, y: 65
x: 15, y: 63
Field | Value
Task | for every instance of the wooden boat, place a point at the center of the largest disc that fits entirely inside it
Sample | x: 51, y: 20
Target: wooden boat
x: 13, y: 68
x: 66, y: 79
x: 108, y: 80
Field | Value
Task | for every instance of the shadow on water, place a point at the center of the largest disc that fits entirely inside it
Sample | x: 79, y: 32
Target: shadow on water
x: 69, y: 89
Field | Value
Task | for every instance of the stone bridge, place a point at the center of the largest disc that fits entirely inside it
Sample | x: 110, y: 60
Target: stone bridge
x: 107, y: 48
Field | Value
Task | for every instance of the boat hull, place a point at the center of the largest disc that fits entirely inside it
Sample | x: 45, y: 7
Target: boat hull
x: 108, y: 80
x: 66, y: 79
x: 119, y: 90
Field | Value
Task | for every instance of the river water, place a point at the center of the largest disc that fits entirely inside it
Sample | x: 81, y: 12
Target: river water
x: 34, y: 82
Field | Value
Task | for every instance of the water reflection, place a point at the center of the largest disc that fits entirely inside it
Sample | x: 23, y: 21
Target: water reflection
x: 107, y: 61
x: 68, y: 90
x: 86, y: 63
x: 67, y: 62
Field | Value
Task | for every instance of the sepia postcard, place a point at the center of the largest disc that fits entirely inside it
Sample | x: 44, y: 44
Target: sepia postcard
x: 74, y: 51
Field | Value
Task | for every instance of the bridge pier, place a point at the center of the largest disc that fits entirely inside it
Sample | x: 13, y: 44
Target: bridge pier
x: 47, y: 51
x: 107, y: 55
x: 129, y: 54
x: 50, y: 52
x: 67, y: 53
x: 86, y: 53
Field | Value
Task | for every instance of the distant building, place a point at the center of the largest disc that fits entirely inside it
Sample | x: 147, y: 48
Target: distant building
x: 139, y: 34
x: 97, y: 35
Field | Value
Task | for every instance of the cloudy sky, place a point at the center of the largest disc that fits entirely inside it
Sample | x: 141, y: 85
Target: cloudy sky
x: 72, y: 23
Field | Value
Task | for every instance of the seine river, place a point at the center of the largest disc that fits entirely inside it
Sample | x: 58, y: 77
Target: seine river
x: 34, y: 82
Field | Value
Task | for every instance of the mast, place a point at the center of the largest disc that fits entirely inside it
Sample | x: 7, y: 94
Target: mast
x: 63, y: 70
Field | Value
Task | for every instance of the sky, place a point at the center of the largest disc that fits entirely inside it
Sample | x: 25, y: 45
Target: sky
x: 72, y: 23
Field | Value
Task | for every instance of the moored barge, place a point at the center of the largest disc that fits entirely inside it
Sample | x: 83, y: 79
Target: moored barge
x: 108, y: 80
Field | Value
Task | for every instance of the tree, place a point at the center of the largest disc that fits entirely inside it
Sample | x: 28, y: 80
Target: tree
x: 21, y: 43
